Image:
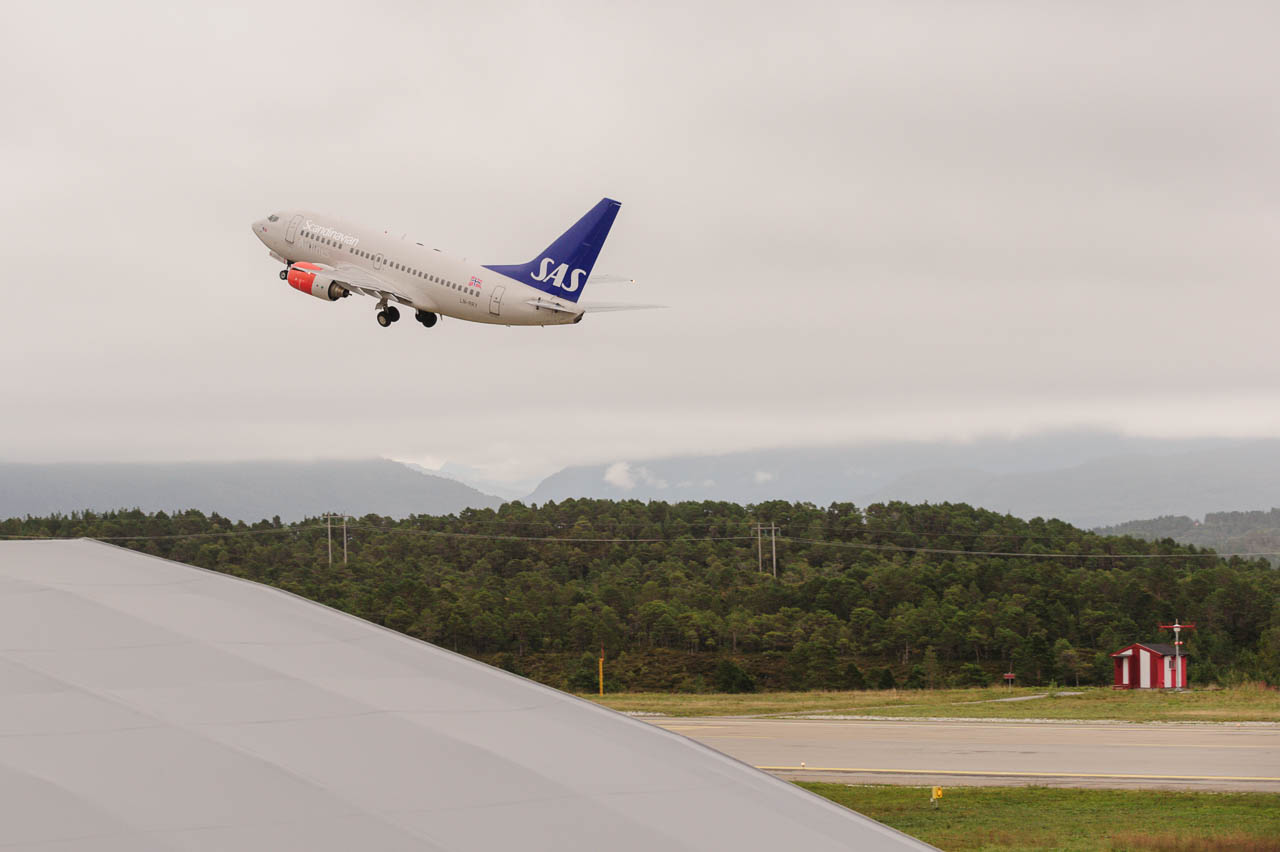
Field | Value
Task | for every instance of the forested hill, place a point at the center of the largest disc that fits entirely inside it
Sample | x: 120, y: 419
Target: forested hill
x: 893, y: 593
x: 1225, y: 532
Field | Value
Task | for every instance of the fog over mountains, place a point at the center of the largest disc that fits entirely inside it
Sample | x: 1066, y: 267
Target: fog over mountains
x: 1089, y: 479
x: 248, y: 491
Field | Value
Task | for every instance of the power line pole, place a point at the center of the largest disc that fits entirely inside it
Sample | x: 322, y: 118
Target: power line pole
x: 328, y: 525
x: 759, y: 550
x: 773, y: 546
x: 773, y: 539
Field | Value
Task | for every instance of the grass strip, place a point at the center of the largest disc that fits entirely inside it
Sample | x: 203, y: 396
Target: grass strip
x: 1250, y: 703
x: 1044, y: 818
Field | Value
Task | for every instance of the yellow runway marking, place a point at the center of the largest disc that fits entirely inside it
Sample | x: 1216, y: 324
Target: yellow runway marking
x: 1018, y: 774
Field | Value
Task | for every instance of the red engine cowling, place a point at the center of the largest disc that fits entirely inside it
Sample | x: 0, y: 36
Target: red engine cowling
x: 302, y: 276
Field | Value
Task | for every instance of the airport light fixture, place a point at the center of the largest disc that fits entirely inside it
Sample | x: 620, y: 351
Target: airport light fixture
x: 1177, y: 629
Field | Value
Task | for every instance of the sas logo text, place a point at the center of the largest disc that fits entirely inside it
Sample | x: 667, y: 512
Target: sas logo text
x: 556, y: 276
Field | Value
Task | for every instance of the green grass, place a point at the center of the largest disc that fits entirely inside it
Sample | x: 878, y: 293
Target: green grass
x: 1035, y: 818
x: 1248, y: 703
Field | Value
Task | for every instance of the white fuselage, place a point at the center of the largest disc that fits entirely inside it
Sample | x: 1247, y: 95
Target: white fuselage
x: 433, y: 282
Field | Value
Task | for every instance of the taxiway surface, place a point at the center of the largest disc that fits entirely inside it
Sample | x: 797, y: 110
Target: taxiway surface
x: 1169, y: 756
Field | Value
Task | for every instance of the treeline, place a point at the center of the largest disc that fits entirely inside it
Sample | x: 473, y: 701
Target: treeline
x: 1225, y: 532
x: 890, y: 594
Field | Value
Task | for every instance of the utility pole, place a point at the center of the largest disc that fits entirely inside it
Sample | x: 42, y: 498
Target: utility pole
x: 773, y: 539
x: 773, y: 545
x: 328, y: 525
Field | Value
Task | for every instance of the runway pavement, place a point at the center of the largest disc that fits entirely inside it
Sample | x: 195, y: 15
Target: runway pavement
x: 1086, y: 754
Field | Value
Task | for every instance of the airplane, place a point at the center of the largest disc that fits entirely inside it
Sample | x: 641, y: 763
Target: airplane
x: 331, y: 259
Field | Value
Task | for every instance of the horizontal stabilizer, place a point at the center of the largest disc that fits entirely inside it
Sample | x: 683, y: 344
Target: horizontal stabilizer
x: 543, y: 305
x: 601, y: 307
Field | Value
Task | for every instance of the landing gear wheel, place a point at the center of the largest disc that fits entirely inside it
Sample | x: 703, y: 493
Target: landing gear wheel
x: 392, y: 312
x: 384, y: 319
x: 427, y: 318
x: 284, y: 274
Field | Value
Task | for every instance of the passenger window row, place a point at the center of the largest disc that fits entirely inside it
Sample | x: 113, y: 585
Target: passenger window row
x: 435, y: 279
x: 320, y: 239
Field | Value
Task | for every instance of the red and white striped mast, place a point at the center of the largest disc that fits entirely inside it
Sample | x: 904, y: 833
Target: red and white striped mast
x: 1177, y: 648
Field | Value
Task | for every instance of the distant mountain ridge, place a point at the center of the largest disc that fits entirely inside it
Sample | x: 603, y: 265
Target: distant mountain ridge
x: 476, y: 479
x: 1088, y: 479
x: 1226, y: 532
x: 249, y: 491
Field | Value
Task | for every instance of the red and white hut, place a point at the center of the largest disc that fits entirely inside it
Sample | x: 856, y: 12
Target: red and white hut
x: 1150, y: 665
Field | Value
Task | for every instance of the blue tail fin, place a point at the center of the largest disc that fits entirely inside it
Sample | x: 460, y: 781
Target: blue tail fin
x: 563, y: 268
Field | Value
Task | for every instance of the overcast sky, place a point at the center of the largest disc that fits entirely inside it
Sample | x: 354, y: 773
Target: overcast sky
x: 869, y: 220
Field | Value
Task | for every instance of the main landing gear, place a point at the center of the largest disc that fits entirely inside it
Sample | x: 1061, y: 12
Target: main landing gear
x: 387, y: 314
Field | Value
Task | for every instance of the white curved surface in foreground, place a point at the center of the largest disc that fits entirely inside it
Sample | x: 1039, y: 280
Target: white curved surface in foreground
x: 149, y: 705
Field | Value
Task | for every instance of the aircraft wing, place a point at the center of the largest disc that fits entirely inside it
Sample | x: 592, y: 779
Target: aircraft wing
x: 598, y: 307
x: 359, y: 280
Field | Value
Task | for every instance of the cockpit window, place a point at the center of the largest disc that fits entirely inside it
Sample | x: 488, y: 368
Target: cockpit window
x: 273, y: 218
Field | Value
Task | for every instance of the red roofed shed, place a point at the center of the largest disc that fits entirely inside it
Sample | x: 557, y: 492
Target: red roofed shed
x: 1150, y: 665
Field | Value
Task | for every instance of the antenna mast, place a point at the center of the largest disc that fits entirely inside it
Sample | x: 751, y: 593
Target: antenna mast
x: 1177, y: 629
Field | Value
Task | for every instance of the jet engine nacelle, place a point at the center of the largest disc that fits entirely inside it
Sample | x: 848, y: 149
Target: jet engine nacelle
x: 302, y: 276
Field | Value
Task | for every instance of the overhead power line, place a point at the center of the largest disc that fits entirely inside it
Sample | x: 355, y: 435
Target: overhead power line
x: 570, y: 539
x: 217, y: 534
x: 869, y: 528
x: 752, y: 536
x: 1058, y: 555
